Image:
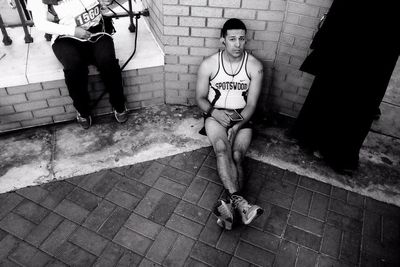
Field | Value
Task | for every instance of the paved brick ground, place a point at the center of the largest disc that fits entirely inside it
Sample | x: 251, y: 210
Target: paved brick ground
x: 159, y: 213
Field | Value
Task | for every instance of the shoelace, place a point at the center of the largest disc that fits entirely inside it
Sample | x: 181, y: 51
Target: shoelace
x: 121, y: 113
x: 239, y: 201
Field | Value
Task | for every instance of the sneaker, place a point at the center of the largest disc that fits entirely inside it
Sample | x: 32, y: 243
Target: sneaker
x: 84, y: 122
x: 121, y: 117
x: 223, y: 209
x: 247, y: 212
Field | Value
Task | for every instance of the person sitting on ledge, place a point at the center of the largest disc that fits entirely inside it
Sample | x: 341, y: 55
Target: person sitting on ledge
x: 83, y: 38
x: 228, y: 87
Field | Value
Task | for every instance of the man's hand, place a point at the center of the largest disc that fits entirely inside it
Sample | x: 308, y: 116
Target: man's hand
x: 81, y: 33
x: 221, y: 117
x: 232, y: 132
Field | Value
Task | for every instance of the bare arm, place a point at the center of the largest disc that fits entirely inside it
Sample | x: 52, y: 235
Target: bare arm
x: 203, y: 79
x: 255, y: 70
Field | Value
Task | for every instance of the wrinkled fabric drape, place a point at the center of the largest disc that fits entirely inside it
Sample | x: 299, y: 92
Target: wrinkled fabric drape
x: 353, y: 56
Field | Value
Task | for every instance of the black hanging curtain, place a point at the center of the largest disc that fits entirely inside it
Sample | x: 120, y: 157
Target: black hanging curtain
x: 353, y: 56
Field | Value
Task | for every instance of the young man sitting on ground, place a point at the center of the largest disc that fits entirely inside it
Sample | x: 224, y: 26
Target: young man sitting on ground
x: 228, y: 87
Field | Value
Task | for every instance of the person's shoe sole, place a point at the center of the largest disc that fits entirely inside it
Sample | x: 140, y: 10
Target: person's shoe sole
x: 120, y: 120
x: 253, y: 215
x: 124, y: 118
x: 222, y: 221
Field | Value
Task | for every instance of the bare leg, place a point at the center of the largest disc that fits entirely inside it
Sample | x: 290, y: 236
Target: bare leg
x: 240, y: 146
x: 230, y: 170
x: 248, y: 212
x: 225, y: 164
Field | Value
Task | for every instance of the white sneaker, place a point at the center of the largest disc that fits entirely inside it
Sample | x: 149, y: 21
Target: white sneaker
x: 84, y: 122
x: 121, y: 117
x: 224, y: 211
x: 247, y: 212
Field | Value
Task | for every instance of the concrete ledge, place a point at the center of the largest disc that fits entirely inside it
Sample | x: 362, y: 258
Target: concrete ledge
x: 33, y: 91
x: 46, y: 103
x: 35, y: 62
x: 14, y: 58
x: 40, y: 155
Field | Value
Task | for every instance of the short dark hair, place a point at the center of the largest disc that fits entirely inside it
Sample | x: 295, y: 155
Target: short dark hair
x: 232, y: 24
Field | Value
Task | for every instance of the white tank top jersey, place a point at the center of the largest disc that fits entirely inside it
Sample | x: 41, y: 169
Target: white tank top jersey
x: 229, y: 91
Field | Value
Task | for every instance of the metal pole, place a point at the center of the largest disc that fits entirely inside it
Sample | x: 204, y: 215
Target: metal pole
x: 132, y: 27
x: 28, y: 37
x: 6, y: 39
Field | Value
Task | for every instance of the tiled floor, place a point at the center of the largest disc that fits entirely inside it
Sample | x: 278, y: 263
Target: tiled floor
x: 159, y: 213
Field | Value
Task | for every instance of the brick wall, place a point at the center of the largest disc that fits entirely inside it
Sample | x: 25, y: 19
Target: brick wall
x: 189, y: 31
x: 290, y: 86
x: 156, y: 20
x: 46, y: 103
x: 280, y: 32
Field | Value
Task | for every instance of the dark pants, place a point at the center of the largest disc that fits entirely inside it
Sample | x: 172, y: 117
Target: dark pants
x: 75, y: 56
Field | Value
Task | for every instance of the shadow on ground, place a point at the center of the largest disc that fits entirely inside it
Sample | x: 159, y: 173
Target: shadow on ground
x: 40, y: 155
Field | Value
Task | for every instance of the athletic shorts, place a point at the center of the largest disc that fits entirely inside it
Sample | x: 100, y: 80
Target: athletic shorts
x: 248, y: 124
